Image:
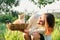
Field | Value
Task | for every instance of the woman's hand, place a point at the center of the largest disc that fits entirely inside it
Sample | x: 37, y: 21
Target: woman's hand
x: 26, y: 31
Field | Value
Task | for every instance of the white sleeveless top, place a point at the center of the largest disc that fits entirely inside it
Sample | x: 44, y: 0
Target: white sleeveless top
x: 48, y: 37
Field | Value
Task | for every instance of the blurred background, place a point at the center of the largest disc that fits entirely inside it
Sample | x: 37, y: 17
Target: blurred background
x: 9, y: 10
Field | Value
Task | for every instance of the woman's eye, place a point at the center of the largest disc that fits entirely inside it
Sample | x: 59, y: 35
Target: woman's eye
x: 40, y: 17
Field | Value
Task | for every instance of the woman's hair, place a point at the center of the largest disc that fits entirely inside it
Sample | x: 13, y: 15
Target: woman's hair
x: 50, y: 19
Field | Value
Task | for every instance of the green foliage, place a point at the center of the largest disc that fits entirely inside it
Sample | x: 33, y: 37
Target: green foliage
x: 42, y: 2
x: 7, y: 34
x: 15, y: 14
x: 5, y: 17
x: 57, y: 23
x: 9, y: 2
x: 13, y: 35
x: 6, y: 5
x: 27, y: 17
x: 2, y: 31
x: 56, y: 35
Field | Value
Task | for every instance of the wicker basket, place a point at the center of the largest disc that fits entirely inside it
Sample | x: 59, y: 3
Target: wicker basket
x: 17, y: 27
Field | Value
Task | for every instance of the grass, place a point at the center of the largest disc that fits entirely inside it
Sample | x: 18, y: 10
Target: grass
x: 56, y: 35
x: 6, y: 34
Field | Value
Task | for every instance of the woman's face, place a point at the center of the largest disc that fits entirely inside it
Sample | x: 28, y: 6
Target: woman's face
x: 41, y: 20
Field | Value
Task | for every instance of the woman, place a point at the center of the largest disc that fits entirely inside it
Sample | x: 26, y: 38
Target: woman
x: 47, y: 20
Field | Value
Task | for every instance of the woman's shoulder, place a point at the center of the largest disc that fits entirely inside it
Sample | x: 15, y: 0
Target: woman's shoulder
x: 48, y: 37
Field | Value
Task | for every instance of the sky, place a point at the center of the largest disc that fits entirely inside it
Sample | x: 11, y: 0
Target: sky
x: 54, y: 7
x: 29, y: 7
x: 26, y: 6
